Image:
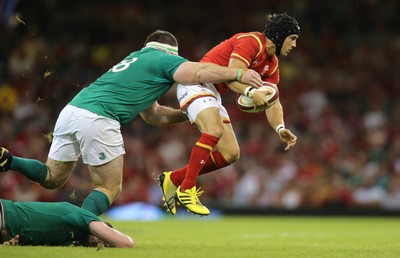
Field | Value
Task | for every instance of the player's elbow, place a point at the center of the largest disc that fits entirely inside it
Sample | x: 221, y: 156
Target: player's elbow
x: 126, y: 243
x: 151, y: 120
x: 150, y: 115
x: 129, y: 243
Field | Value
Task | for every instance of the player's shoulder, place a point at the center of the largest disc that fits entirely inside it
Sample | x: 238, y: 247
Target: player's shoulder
x: 250, y: 36
x: 255, y: 40
x: 156, y: 56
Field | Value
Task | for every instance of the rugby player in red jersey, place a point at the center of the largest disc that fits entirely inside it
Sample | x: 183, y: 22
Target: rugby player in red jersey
x: 218, y: 146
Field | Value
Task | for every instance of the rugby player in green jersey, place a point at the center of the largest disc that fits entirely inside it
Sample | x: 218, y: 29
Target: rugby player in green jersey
x: 89, y: 126
x: 55, y: 224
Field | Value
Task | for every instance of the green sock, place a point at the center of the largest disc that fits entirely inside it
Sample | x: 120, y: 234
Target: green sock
x: 96, y: 202
x: 31, y: 168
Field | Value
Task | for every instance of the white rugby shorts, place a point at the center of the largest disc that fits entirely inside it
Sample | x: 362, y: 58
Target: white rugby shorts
x: 80, y: 132
x: 195, y: 98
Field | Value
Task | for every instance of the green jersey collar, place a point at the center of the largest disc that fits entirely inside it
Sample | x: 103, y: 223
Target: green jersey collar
x: 164, y: 47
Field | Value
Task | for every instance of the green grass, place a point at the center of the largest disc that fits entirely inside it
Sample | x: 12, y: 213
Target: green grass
x: 243, y: 237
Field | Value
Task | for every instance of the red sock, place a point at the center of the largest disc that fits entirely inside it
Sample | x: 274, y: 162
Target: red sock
x: 178, y: 175
x: 199, y: 157
x: 216, y: 161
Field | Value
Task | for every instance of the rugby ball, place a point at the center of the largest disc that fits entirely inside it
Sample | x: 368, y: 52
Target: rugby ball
x: 246, y: 104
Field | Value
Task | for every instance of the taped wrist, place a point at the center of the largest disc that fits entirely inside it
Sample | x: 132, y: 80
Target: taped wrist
x: 279, y: 127
x: 249, y: 91
x: 240, y: 74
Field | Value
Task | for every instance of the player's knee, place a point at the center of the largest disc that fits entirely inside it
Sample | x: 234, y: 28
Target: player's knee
x: 215, y: 130
x: 52, y: 182
x: 232, y: 156
x: 115, y: 191
x: 57, y: 173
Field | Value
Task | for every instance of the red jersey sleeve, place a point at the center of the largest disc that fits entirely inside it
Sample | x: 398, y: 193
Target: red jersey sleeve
x: 247, y: 47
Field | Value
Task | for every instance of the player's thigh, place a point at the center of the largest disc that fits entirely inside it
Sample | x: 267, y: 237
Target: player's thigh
x: 209, y: 121
x: 108, y: 175
x: 65, y: 145
x: 59, y: 172
x: 193, y: 99
x: 228, y: 145
x: 100, y: 139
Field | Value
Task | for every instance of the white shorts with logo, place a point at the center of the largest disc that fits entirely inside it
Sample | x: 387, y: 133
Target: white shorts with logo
x: 195, y: 98
x: 80, y: 132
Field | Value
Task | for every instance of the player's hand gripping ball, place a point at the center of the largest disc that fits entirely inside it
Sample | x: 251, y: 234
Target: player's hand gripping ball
x: 246, y: 104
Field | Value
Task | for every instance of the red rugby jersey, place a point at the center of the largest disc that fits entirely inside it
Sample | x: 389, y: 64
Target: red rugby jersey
x: 250, y: 49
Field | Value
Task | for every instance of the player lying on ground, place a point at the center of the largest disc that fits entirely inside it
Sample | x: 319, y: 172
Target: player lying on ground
x: 55, y: 224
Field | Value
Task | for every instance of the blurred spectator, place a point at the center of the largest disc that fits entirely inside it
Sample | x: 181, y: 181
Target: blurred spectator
x: 340, y: 91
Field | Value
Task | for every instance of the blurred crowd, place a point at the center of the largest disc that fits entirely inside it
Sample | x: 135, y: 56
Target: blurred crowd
x: 339, y: 88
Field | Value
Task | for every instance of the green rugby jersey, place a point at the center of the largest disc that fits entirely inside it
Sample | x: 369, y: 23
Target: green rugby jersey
x: 47, y: 223
x: 130, y: 86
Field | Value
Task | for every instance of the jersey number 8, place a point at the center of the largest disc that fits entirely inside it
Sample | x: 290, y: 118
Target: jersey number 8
x: 123, y: 65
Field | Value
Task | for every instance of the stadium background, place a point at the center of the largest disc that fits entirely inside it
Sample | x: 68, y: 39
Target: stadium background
x: 340, y: 91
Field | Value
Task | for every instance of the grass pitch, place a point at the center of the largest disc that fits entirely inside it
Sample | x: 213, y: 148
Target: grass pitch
x: 243, y: 237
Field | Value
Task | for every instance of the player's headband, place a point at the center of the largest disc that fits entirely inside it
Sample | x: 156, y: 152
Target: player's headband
x: 279, y: 27
x: 164, y: 47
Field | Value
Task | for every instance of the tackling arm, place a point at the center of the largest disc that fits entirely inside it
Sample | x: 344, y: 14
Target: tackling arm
x: 158, y: 115
x: 236, y: 86
x: 109, y: 235
x: 192, y: 72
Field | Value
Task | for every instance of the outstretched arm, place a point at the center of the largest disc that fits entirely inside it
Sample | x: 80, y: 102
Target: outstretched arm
x: 192, y: 72
x: 159, y: 115
x: 275, y: 118
x: 109, y: 235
